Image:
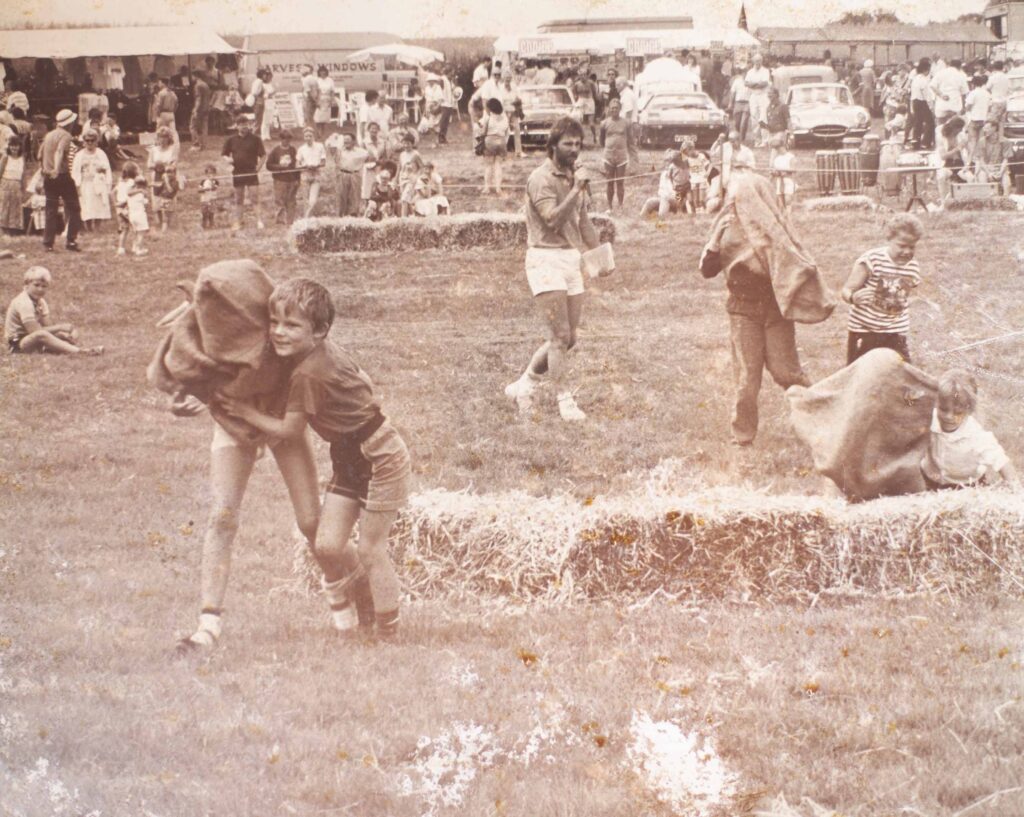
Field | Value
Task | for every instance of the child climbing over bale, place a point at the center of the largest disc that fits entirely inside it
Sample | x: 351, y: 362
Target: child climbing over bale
x: 960, y: 452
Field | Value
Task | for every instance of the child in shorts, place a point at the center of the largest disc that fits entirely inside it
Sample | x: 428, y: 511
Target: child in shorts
x: 700, y: 166
x: 208, y: 188
x: 130, y: 203
x: 166, y: 184
x: 960, y: 452
x: 28, y: 328
x: 328, y: 391
x: 878, y: 291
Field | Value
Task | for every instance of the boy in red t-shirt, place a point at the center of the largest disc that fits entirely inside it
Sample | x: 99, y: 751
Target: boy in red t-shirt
x: 329, y: 391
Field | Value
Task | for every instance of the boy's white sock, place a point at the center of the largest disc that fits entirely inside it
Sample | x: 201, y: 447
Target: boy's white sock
x: 343, y: 612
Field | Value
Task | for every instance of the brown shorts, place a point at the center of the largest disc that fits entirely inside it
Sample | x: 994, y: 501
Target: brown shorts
x: 374, y: 472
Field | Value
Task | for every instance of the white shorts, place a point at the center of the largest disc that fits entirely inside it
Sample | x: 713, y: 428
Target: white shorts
x: 554, y: 270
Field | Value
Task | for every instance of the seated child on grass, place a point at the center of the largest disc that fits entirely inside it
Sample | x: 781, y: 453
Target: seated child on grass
x: 878, y: 291
x: 328, y: 391
x: 384, y: 196
x: 960, y: 451
x: 28, y: 327
x: 673, y: 187
x: 429, y: 198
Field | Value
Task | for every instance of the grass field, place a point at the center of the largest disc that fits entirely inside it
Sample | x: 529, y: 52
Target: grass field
x: 861, y: 709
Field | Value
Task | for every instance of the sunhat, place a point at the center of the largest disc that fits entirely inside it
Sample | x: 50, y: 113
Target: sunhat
x: 65, y: 117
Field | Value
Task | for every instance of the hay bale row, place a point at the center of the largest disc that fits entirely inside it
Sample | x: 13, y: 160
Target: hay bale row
x: 833, y: 203
x: 726, y: 544
x: 463, y: 231
x: 993, y: 203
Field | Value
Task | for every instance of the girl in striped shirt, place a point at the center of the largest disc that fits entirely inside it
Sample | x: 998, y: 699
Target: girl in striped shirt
x: 878, y: 291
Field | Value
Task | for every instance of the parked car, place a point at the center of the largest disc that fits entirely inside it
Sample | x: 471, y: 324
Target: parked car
x: 668, y: 119
x: 786, y: 76
x: 1014, y: 128
x: 542, y: 106
x: 824, y: 112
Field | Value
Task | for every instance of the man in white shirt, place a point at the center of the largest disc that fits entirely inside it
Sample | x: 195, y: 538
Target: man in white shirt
x: 735, y: 156
x: 757, y: 80
x: 448, y: 103
x: 950, y: 88
x: 627, y: 96
x: 998, y: 82
x: 546, y: 75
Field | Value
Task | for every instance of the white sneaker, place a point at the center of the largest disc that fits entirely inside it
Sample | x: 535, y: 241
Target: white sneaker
x: 568, y: 409
x: 121, y: 251
x: 523, y: 387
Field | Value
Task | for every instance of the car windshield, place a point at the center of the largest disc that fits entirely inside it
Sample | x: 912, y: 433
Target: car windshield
x: 1016, y: 85
x: 816, y: 95
x: 545, y: 97
x: 665, y: 102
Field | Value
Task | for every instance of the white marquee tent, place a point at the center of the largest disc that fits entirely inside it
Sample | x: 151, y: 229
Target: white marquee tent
x: 66, y: 43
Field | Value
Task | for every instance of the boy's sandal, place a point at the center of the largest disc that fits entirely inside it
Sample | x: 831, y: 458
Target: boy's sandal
x: 199, y: 641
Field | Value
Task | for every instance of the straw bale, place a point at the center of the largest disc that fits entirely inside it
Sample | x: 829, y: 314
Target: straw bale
x: 720, y: 544
x: 463, y: 231
x: 832, y: 203
x: 993, y: 203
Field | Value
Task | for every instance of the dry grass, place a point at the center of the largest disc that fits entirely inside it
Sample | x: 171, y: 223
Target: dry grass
x: 866, y: 707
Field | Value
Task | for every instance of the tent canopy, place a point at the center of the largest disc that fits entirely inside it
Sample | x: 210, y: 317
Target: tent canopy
x: 403, y: 52
x: 65, y: 43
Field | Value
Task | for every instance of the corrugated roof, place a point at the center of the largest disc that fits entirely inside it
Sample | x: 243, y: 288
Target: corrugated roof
x: 122, y: 41
x: 789, y: 33
x: 319, y: 41
x: 955, y: 32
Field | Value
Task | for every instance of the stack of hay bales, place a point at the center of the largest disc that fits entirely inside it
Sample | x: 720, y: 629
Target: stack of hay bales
x: 464, y: 231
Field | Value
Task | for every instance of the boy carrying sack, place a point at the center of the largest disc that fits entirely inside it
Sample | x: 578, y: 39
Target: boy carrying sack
x: 329, y: 391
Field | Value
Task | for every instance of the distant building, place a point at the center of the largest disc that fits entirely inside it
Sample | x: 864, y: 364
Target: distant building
x: 1005, y: 19
x: 616, y: 24
x: 885, y: 43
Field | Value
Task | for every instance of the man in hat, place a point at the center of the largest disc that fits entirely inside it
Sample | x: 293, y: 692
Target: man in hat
x: 58, y: 184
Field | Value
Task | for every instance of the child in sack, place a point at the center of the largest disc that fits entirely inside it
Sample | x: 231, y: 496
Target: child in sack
x: 960, y: 452
x: 878, y: 291
x: 328, y: 391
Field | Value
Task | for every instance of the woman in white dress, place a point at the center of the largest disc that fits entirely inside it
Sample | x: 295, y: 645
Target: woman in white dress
x: 325, y: 102
x: 270, y: 105
x: 91, y: 173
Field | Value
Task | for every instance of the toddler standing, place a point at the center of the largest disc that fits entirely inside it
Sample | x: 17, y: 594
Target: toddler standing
x: 960, y: 451
x: 700, y: 166
x: 208, y: 196
x: 166, y: 184
x: 878, y: 291
x: 130, y: 201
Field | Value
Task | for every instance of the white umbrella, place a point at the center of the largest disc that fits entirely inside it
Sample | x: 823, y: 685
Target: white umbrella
x: 403, y: 52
